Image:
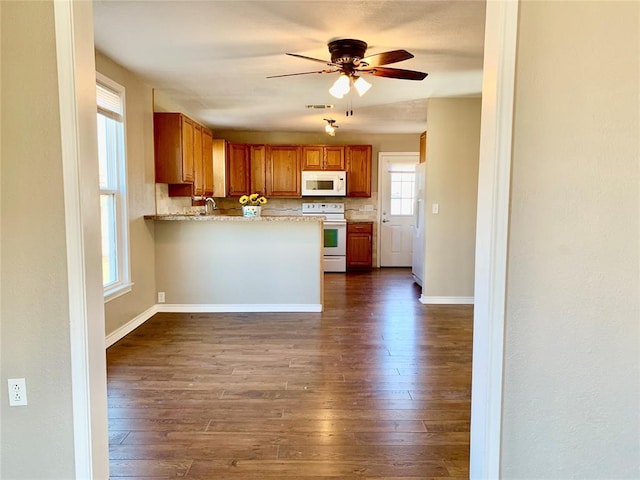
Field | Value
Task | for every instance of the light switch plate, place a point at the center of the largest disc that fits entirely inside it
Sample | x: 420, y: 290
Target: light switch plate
x: 435, y: 208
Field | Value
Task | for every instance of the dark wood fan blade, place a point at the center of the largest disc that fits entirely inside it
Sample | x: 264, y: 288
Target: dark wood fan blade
x: 302, y: 73
x: 326, y: 62
x: 394, y: 73
x: 385, y: 58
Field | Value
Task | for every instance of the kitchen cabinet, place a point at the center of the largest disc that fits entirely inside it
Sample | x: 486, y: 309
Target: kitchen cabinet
x: 423, y: 147
x: 358, y: 166
x: 207, y: 161
x: 283, y: 171
x: 258, y: 166
x: 359, y: 246
x: 321, y: 157
x: 183, y: 155
x: 238, y: 171
x: 198, y: 165
x: 173, y: 135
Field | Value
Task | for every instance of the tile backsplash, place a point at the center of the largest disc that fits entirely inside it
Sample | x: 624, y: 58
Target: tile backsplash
x: 356, y: 209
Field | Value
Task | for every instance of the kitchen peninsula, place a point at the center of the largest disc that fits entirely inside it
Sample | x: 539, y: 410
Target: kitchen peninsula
x: 228, y: 263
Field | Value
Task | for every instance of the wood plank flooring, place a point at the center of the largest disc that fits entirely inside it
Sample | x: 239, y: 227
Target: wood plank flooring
x: 377, y: 386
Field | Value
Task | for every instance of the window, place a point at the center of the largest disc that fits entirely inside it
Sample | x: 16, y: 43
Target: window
x: 113, y: 198
x: 403, y: 188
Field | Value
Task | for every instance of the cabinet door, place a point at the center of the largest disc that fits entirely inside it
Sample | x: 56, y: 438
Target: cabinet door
x: 207, y: 161
x: 359, y: 246
x: 333, y: 158
x: 173, y: 148
x: 312, y: 157
x: 188, y: 129
x: 358, y: 170
x: 198, y: 165
x: 283, y: 171
x: 258, y: 161
x: 238, y: 170
x: 423, y: 147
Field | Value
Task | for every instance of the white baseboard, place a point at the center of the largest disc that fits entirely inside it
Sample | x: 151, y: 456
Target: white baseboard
x: 446, y: 300
x: 238, y: 308
x: 131, y: 325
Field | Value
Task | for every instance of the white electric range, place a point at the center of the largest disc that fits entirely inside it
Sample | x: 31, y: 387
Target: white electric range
x: 335, y: 233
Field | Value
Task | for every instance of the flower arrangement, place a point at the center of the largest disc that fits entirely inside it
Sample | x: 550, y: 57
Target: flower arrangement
x: 255, y: 199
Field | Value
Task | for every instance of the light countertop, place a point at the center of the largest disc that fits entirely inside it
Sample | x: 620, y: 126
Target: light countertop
x: 232, y: 218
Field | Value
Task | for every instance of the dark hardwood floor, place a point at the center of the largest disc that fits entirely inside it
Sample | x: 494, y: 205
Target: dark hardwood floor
x: 376, y: 387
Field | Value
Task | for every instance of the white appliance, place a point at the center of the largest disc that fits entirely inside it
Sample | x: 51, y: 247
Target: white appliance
x: 324, y: 183
x: 417, y: 264
x: 335, y: 234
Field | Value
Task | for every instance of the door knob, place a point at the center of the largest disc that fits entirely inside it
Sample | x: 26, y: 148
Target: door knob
x: 385, y: 220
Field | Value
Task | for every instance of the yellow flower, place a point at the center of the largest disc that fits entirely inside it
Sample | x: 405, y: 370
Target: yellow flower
x: 254, y: 199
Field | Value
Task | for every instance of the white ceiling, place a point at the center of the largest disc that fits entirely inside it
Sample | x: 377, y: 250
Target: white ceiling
x: 213, y: 57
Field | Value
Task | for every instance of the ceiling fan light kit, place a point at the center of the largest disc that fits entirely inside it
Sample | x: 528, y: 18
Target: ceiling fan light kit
x: 341, y: 86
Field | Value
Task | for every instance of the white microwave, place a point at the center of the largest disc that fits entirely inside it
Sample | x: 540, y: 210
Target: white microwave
x: 324, y: 183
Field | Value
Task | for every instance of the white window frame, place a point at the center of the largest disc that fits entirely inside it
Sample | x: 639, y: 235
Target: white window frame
x: 123, y: 283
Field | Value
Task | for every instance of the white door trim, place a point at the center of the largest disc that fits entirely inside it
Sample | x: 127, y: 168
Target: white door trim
x: 381, y: 156
x: 76, y: 90
x: 494, y: 184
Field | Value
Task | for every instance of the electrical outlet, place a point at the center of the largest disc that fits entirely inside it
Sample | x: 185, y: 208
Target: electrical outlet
x: 17, y: 392
x: 160, y: 297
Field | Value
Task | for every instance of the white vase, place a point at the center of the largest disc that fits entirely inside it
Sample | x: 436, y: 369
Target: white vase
x: 251, y: 210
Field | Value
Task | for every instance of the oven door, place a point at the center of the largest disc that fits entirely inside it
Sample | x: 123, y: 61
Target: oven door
x: 335, y: 238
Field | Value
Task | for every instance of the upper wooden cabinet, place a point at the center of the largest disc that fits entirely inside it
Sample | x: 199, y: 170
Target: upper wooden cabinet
x: 258, y: 167
x: 183, y: 155
x: 207, y: 161
x: 358, y: 170
x: 423, y: 147
x: 173, y: 146
x: 275, y: 170
x: 198, y: 165
x: 321, y: 157
x: 238, y: 170
x: 283, y: 171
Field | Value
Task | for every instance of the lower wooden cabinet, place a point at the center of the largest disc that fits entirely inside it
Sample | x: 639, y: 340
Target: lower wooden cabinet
x: 359, y: 246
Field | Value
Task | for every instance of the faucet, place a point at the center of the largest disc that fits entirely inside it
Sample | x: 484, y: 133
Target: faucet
x: 209, y: 201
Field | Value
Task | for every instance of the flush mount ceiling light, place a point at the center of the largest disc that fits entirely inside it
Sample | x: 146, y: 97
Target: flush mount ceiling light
x: 330, y: 128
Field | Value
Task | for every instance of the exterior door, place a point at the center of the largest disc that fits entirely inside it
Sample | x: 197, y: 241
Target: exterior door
x: 397, y: 172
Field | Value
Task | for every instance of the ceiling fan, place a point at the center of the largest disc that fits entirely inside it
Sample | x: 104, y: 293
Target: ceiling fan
x: 348, y: 58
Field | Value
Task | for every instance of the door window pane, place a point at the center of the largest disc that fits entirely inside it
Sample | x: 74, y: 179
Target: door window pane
x: 403, y: 185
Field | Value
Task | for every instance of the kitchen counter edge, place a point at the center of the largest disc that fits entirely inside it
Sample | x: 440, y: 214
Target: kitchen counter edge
x: 232, y: 218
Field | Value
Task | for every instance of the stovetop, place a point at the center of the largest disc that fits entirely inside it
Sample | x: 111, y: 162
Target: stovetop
x: 332, y: 211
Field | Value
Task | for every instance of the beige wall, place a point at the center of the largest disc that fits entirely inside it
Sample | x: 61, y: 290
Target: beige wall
x: 37, y: 440
x: 239, y: 263
x: 571, y: 367
x: 140, y: 195
x: 453, y: 145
